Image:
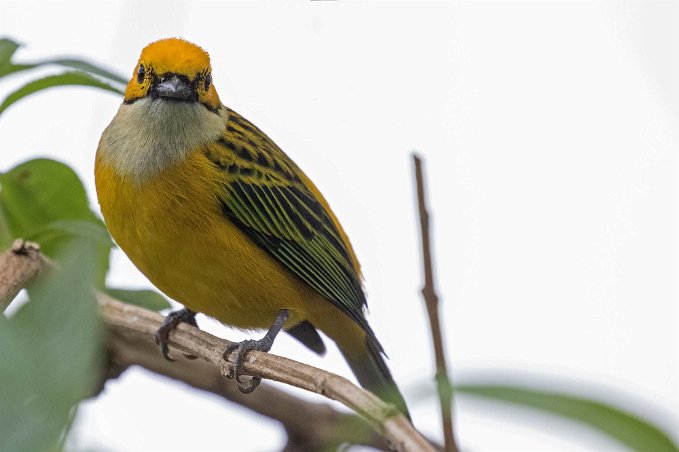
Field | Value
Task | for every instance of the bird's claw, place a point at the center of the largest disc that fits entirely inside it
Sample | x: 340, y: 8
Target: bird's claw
x: 241, y: 348
x: 264, y: 345
x: 161, y: 337
x: 247, y: 386
x: 173, y: 319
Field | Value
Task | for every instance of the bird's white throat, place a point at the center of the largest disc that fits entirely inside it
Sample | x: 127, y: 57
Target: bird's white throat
x: 149, y: 135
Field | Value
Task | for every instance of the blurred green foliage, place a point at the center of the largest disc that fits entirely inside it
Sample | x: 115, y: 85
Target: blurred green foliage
x: 79, y: 72
x: 53, y: 342
x: 44, y: 201
x: 627, y: 428
x: 50, y: 350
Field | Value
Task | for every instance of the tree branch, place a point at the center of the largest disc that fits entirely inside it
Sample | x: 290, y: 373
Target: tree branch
x: 18, y: 266
x: 431, y: 300
x: 140, y: 325
x: 131, y: 331
x: 310, y: 426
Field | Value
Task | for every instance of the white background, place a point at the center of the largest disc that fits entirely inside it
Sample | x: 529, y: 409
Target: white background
x: 550, y: 136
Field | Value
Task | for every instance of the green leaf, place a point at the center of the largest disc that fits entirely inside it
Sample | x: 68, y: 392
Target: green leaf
x: 631, y: 430
x: 40, y: 191
x: 65, y: 229
x: 7, y: 49
x: 86, y: 66
x: 11, y: 68
x: 71, y: 63
x: 50, y: 350
x: 51, y: 81
x: 144, y: 298
x: 43, y: 200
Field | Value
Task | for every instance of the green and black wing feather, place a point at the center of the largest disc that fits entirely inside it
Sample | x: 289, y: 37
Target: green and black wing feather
x: 267, y: 200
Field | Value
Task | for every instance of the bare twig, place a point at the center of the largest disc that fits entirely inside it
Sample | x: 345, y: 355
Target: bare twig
x: 18, y: 266
x: 444, y: 386
x: 131, y: 328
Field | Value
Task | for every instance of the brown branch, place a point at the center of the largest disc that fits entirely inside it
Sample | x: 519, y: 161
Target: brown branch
x: 131, y: 331
x: 444, y: 386
x: 18, y: 266
x: 139, y: 325
x: 310, y: 426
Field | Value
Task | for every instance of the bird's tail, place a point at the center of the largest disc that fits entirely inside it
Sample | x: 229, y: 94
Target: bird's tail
x: 373, y: 374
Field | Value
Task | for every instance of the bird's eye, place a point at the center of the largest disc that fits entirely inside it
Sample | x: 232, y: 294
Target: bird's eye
x: 208, y: 81
x: 141, y: 73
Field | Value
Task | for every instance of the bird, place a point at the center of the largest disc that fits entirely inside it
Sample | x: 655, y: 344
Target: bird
x: 221, y: 220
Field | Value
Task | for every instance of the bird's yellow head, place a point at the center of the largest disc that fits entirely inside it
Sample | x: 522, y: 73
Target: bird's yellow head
x: 173, y: 70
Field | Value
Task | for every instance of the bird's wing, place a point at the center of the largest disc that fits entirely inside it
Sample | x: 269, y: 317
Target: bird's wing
x: 266, y: 197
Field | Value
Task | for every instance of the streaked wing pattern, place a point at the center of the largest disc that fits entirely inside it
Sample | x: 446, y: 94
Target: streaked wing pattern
x: 265, y: 197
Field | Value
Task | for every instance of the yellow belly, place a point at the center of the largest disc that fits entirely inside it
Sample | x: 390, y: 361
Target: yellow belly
x: 173, y: 230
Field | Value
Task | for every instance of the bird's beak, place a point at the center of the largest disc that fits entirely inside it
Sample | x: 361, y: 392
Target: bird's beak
x: 175, y: 88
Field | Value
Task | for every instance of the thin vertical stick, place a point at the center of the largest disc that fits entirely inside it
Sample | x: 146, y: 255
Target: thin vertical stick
x: 431, y: 300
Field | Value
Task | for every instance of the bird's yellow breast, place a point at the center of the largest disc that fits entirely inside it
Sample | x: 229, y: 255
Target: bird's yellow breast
x: 172, y: 228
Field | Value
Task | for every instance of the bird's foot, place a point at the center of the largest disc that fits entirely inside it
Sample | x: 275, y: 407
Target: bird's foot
x: 173, y: 319
x: 264, y: 344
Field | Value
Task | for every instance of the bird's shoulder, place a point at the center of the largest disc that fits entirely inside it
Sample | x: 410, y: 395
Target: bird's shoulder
x: 243, y: 151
